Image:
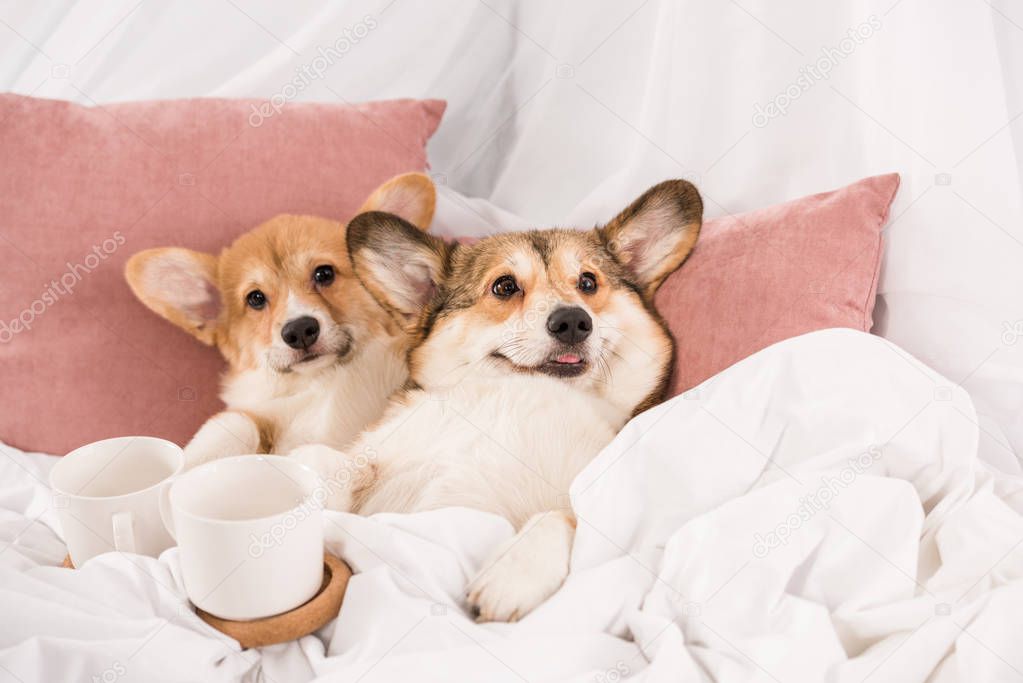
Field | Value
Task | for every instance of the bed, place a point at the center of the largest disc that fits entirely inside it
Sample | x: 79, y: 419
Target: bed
x: 754, y: 528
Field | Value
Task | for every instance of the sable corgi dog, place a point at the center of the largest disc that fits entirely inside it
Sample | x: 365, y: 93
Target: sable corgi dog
x: 531, y: 352
x: 312, y: 357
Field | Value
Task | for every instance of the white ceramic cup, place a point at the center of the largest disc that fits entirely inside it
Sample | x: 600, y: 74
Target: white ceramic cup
x: 107, y: 495
x: 250, y: 533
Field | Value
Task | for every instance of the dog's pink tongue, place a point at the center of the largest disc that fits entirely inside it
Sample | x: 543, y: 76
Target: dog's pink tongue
x: 568, y: 358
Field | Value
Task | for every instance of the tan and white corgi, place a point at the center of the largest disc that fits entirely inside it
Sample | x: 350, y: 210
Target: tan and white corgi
x: 312, y: 357
x: 532, y: 351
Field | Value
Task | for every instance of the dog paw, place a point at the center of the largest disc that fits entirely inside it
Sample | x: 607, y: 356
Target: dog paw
x: 525, y: 571
x: 341, y: 476
x: 225, y: 434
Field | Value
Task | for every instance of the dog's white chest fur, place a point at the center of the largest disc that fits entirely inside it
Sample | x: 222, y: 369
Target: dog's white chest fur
x: 510, y: 446
x: 330, y: 406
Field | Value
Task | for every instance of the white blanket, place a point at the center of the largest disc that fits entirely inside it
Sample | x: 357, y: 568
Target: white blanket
x: 816, y: 512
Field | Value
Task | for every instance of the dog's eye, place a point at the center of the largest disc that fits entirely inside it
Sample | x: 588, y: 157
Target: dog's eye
x: 256, y: 299
x: 323, y: 275
x: 504, y: 286
x: 587, y: 283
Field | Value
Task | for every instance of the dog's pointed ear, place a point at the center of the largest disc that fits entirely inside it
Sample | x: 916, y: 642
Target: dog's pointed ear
x: 411, y: 196
x: 179, y: 285
x: 654, y: 234
x: 398, y: 263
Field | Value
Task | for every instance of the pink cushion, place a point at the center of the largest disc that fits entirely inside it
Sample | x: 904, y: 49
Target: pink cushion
x: 82, y: 188
x: 760, y: 277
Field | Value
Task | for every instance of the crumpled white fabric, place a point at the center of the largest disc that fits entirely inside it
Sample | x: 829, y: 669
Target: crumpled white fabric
x: 817, y: 512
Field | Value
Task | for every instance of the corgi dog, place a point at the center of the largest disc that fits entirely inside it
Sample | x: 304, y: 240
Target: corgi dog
x: 312, y: 357
x: 531, y: 351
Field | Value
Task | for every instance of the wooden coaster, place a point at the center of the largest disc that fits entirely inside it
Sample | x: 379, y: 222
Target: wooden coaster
x: 301, y: 621
x: 282, y: 628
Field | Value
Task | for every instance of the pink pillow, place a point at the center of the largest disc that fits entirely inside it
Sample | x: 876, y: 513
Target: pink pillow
x: 83, y: 188
x: 760, y: 277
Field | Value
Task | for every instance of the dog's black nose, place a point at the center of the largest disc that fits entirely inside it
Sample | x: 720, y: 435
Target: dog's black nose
x: 569, y: 324
x: 301, y: 333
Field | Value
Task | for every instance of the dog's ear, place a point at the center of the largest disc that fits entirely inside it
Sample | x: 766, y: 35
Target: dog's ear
x: 399, y: 264
x: 180, y: 285
x: 654, y: 234
x: 412, y: 196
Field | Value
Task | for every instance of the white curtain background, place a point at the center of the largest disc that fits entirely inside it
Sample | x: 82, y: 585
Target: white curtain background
x: 561, y: 112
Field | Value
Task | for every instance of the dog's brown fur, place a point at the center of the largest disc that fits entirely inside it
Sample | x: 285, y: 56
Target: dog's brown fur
x: 276, y: 258
x: 555, y: 257
x: 276, y: 392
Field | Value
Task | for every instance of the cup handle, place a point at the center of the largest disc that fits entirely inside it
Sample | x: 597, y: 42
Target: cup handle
x: 166, y: 513
x: 124, y: 532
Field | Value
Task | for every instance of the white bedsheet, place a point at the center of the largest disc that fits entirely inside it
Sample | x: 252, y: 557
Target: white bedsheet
x: 816, y: 512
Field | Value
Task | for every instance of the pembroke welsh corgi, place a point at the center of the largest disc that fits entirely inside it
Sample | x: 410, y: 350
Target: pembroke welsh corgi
x: 531, y: 352
x: 312, y: 357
